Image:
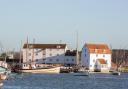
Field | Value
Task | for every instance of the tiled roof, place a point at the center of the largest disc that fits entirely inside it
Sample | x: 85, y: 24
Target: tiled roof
x: 98, y: 48
x: 44, y: 46
x: 102, y: 61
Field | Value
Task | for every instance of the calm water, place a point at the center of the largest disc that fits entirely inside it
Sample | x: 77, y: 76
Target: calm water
x: 66, y: 81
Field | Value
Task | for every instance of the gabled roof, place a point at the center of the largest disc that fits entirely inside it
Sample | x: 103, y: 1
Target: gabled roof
x: 102, y: 61
x: 98, y: 48
x: 44, y: 46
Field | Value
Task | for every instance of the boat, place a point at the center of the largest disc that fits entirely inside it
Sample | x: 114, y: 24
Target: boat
x: 33, y: 67
x: 48, y: 70
x: 4, y: 73
x: 1, y: 84
x: 82, y: 72
x: 116, y: 73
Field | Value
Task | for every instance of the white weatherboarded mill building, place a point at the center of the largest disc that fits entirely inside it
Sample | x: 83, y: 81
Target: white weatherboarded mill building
x: 96, y: 57
x: 43, y: 54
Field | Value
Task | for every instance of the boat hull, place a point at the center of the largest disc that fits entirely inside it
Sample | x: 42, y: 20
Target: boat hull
x: 55, y: 70
x: 116, y: 73
x: 3, y: 76
x: 82, y: 73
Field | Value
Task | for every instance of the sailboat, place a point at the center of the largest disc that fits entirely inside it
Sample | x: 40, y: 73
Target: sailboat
x: 81, y: 70
x: 30, y: 67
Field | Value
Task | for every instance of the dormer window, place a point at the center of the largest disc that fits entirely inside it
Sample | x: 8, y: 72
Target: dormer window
x: 58, y: 47
x: 104, y: 50
x: 96, y: 50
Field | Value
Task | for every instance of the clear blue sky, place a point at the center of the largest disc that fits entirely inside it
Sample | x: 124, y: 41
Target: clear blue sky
x: 49, y: 21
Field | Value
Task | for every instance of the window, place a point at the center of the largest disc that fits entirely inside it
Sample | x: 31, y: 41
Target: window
x: 103, y: 55
x: 36, y: 54
x: 85, y: 50
x: 106, y: 62
x: 57, y: 49
x: 44, y: 59
x: 96, y: 55
x: 67, y: 60
x: 50, y: 59
x: 57, y: 60
x: 102, y: 66
x: 29, y: 54
x: 30, y: 60
x: 57, y: 54
x: 85, y: 55
x: 50, y: 54
x: 72, y: 59
x: 36, y: 60
x: 43, y: 53
x: 104, y: 50
x: 93, y: 60
x: 96, y: 50
x: 96, y: 66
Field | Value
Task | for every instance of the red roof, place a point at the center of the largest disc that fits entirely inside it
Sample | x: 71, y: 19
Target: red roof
x: 102, y: 61
x: 98, y: 48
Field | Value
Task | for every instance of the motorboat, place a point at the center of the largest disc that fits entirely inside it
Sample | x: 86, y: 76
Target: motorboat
x: 116, y: 73
x: 82, y: 72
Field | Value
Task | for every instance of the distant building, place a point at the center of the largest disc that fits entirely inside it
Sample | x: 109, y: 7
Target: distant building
x: 96, y: 57
x: 44, y: 53
x: 70, y: 57
x: 13, y: 55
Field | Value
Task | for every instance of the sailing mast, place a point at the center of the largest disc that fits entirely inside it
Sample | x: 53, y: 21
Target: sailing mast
x: 33, y: 50
x: 27, y: 44
x: 20, y: 55
x: 77, y: 53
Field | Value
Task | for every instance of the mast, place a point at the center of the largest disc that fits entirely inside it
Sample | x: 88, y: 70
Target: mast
x: 77, y: 53
x: 33, y: 50
x: 20, y: 54
x: 27, y: 51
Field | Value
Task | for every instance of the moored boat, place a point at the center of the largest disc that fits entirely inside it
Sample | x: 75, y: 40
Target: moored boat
x: 82, y: 72
x: 52, y: 70
x: 116, y: 73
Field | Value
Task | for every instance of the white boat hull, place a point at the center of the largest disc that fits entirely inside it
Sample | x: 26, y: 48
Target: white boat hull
x: 82, y: 73
x: 116, y: 73
x: 54, y: 70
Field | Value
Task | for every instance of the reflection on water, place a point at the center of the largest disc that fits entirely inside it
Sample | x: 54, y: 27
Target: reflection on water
x: 66, y: 81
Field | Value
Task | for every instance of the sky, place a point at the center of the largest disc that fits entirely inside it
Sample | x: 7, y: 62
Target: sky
x: 57, y: 21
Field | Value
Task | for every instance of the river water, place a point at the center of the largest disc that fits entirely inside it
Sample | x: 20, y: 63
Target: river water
x: 66, y: 81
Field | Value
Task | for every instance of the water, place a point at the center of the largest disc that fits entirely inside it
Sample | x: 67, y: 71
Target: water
x: 66, y: 81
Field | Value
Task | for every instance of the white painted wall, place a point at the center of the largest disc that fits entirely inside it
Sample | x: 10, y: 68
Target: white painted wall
x: 89, y: 60
x: 53, y: 56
